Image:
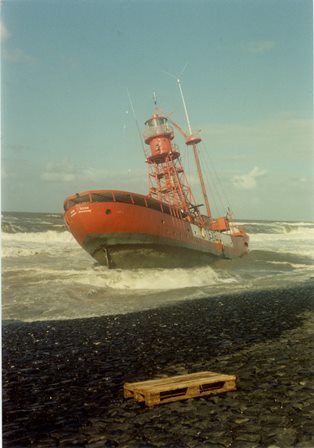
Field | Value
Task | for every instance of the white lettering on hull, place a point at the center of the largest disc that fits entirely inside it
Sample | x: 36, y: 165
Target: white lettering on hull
x: 84, y: 209
x: 204, y: 234
x: 210, y: 235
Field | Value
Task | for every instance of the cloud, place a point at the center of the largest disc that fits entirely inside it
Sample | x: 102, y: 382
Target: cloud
x: 57, y: 177
x: 248, y: 181
x: 4, y: 33
x: 259, y: 46
x: 92, y: 174
x: 16, y: 56
x: 66, y: 172
x: 283, y: 135
x: 59, y: 172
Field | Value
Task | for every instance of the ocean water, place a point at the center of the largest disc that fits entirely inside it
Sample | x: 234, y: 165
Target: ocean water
x: 46, y: 275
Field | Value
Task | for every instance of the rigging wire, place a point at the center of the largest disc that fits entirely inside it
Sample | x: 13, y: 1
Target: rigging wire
x: 218, y: 205
x: 220, y: 190
x: 194, y: 177
x: 187, y: 165
x: 136, y: 122
x: 190, y: 173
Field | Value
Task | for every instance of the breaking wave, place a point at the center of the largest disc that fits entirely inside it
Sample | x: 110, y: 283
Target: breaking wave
x: 47, y: 275
x: 298, y: 241
x: 34, y: 243
x: 127, y: 280
x: 50, y: 236
x: 154, y: 279
x: 277, y: 227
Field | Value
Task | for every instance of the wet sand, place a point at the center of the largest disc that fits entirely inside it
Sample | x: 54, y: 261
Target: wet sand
x: 63, y: 380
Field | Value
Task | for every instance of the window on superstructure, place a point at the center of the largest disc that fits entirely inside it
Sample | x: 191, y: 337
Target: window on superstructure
x: 81, y: 199
x: 139, y: 200
x: 160, y: 121
x: 102, y: 197
x: 78, y: 200
x: 122, y: 197
x: 152, y: 203
x: 166, y: 209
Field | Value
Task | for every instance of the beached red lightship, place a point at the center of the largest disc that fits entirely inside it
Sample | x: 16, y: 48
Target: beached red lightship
x: 165, y: 228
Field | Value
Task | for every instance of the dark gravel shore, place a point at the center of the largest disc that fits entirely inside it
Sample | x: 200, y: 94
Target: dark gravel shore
x: 63, y: 380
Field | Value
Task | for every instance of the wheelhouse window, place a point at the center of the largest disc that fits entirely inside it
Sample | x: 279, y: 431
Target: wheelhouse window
x: 139, y: 200
x: 166, y: 208
x: 102, y: 197
x: 122, y: 197
x: 77, y: 200
x: 152, y: 203
x: 81, y: 199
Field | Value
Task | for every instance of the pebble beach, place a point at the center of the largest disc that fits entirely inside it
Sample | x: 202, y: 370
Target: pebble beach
x: 63, y: 380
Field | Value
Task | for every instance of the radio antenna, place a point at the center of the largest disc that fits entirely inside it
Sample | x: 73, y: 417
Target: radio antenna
x: 177, y: 78
x: 184, y: 106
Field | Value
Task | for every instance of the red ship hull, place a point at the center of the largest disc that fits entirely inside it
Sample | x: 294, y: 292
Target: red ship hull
x: 144, y: 233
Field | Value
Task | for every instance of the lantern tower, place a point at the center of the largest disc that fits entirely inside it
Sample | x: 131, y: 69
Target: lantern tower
x: 166, y: 176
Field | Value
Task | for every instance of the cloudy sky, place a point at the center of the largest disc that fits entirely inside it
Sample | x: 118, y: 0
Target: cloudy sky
x: 67, y: 124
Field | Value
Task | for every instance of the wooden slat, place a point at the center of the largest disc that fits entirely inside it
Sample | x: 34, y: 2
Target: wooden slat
x: 165, y: 390
x: 186, y: 383
x: 180, y: 378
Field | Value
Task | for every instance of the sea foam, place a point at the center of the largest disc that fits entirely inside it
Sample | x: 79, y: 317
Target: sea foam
x: 151, y: 279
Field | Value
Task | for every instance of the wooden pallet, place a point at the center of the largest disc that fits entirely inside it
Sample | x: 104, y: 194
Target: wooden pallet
x: 166, y: 390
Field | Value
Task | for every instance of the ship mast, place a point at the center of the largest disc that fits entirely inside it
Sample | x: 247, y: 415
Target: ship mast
x: 193, y: 140
x: 167, y: 179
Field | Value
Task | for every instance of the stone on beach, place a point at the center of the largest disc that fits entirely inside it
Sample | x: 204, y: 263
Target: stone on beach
x: 63, y: 380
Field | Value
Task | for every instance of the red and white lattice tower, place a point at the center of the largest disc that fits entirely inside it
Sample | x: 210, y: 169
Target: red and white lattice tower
x: 166, y: 177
